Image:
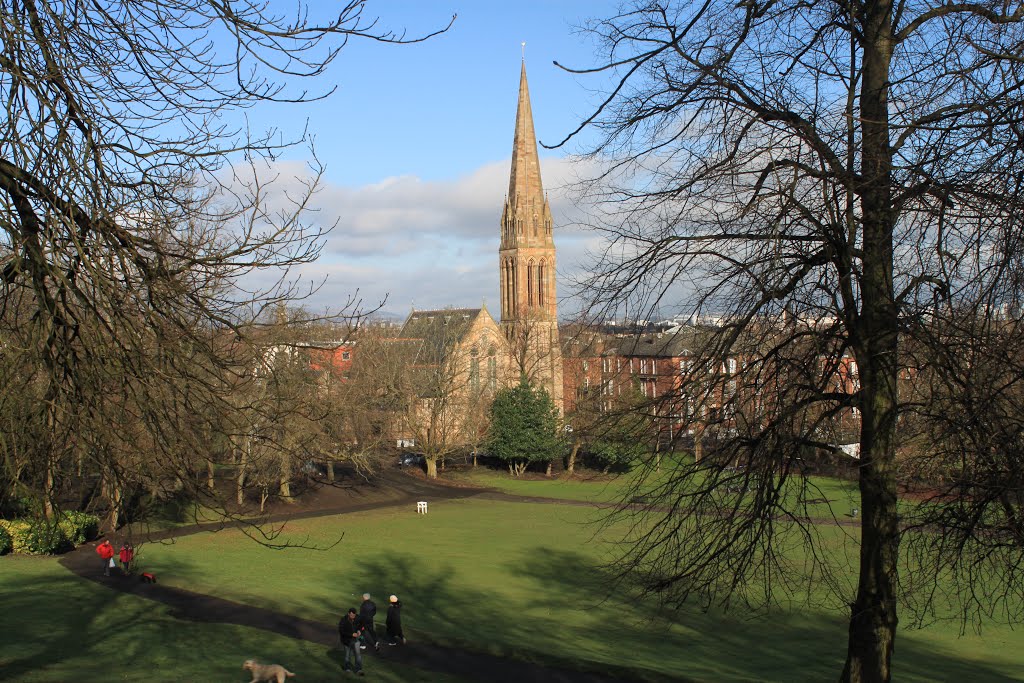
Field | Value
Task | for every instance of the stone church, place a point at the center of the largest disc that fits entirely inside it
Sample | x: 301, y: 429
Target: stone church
x: 478, y: 353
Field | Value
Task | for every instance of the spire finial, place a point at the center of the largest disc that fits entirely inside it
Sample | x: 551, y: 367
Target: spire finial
x: 524, y: 50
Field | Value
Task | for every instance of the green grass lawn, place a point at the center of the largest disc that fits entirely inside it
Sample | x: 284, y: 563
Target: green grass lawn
x: 59, y: 628
x: 524, y: 580
x: 827, y: 496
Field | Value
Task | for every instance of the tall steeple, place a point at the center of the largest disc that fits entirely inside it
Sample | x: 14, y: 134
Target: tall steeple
x: 527, y: 244
x: 524, y: 186
x: 526, y: 258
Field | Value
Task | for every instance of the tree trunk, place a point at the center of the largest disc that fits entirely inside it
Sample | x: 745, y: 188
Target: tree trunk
x: 873, y: 620
x: 571, y: 466
x: 210, y: 482
x: 112, y: 493
x: 48, y: 493
x: 285, y: 489
x: 431, y: 466
x: 698, y: 445
x: 330, y: 471
x: 243, y: 462
x: 547, y: 473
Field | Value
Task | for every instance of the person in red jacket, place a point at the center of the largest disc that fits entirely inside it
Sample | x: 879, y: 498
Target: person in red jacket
x: 106, y: 552
x: 126, y: 555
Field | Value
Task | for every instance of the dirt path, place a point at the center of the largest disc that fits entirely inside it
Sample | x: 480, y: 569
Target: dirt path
x: 391, y: 488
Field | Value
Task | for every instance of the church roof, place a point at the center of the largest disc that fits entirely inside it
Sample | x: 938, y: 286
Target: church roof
x: 655, y: 345
x: 436, y: 333
x: 449, y: 324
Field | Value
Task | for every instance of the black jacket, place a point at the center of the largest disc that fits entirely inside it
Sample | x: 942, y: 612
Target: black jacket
x: 394, y: 621
x: 367, y: 611
x: 346, y: 628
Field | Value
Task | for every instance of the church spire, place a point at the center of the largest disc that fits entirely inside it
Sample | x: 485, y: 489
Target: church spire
x: 527, y: 217
x: 524, y: 185
x: 527, y: 252
x: 526, y: 259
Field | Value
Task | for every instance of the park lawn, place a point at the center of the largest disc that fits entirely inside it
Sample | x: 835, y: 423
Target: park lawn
x: 59, y: 627
x: 828, y: 497
x: 587, y: 486
x: 524, y: 580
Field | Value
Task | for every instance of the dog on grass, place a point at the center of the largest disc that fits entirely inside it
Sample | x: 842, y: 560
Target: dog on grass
x: 266, y: 673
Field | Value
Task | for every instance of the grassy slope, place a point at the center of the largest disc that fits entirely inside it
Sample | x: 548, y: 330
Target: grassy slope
x: 522, y: 579
x: 58, y: 628
x: 834, y: 497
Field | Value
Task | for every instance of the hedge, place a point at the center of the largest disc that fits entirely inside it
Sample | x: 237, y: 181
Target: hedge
x: 43, y: 537
x: 6, y: 544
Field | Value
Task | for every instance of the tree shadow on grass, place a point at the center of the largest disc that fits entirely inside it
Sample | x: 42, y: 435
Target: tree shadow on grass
x: 468, y: 631
x: 65, y: 629
x: 560, y: 623
x: 426, y: 653
x: 786, y: 645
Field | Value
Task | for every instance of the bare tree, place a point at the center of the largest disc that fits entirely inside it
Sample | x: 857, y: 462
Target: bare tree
x: 440, y: 399
x: 130, y: 214
x: 365, y: 403
x: 827, y: 179
x: 529, y: 343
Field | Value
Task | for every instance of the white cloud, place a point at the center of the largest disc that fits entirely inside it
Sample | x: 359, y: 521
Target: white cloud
x: 428, y: 243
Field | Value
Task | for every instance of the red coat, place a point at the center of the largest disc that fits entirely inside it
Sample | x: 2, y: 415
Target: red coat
x: 126, y: 554
x: 105, y: 550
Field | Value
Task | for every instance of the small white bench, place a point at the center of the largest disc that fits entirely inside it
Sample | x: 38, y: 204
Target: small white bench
x: 421, y: 507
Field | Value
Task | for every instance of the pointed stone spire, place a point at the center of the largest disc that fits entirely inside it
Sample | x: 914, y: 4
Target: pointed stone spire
x: 524, y: 182
x: 527, y: 217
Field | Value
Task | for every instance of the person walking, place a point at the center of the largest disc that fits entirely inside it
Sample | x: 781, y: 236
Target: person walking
x: 394, y: 622
x: 367, y: 611
x: 348, y: 631
x: 106, y: 553
x: 126, y: 554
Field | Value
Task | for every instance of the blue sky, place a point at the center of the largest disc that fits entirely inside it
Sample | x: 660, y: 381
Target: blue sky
x: 417, y: 140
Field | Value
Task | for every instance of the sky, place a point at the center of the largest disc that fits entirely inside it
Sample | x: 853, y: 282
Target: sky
x: 417, y: 142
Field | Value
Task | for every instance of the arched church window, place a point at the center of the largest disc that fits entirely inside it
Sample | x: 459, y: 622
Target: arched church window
x: 506, y: 290
x: 492, y: 369
x: 540, y: 284
x: 529, y: 283
x: 474, y: 369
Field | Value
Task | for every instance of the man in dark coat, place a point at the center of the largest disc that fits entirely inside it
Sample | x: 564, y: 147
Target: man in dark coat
x: 348, y: 631
x: 394, y: 622
x: 367, y: 611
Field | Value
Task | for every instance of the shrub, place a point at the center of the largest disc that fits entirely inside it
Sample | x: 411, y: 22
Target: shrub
x: 46, y: 538
x: 6, y: 544
x: 79, y: 527
x: 617, y: 456
x: 18, y: 531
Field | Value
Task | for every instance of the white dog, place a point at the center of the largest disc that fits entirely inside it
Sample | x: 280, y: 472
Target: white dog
x: 262, y: 673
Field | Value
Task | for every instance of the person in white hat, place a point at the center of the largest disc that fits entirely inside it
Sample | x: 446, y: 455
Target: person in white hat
x: 394, y: 622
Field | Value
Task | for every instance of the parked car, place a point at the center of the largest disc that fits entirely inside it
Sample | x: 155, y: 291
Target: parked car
x: 411, y: 460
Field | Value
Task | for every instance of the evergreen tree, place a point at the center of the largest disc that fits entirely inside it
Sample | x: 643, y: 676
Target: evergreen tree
x: 524, y: 427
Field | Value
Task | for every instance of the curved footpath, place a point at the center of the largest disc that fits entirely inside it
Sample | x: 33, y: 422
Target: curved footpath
x: 391, y: 489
